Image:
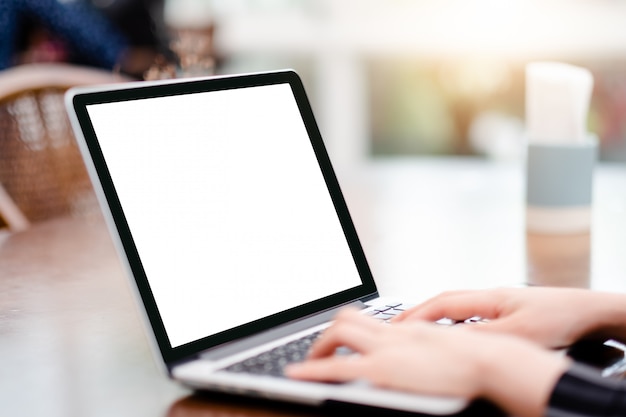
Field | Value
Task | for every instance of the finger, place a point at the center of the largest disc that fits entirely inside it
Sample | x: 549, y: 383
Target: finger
x: 353, y: 335
x: 456, y: 306
x: 438, y: 298
x: 332, y: 369
x: 513, y: 324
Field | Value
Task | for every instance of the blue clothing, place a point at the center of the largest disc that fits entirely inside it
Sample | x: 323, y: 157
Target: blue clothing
x: 88, y: 33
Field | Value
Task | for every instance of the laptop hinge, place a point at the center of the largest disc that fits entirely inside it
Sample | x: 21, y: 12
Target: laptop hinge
x: 370, y: 296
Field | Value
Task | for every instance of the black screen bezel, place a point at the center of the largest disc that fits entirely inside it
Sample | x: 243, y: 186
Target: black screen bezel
x: 102, y: 180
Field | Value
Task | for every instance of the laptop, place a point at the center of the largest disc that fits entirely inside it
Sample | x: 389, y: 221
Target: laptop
x: 223, y: 204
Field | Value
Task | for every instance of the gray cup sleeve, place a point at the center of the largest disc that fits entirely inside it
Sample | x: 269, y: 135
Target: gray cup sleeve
x: 560, y: 175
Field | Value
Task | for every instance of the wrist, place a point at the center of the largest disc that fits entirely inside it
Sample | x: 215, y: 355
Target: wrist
x: 519, y: 376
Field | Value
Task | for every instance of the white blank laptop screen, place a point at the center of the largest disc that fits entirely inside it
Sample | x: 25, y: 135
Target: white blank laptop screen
x: 227, y: 205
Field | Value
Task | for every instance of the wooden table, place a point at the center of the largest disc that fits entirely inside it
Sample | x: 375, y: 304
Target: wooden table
x: 72, y: 344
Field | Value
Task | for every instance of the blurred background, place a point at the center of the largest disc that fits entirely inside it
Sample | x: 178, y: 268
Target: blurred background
x: 398, y: 77
x: 406, y: 77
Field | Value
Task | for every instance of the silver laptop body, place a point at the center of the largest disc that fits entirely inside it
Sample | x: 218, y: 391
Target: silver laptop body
x: 226, y: 212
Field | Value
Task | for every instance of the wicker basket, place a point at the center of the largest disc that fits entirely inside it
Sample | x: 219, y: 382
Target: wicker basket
x: 41, y: 168
x: 40, y: 164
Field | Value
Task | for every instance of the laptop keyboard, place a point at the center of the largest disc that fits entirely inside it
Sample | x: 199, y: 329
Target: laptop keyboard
x: 273, y: 361
x: 388, y: 311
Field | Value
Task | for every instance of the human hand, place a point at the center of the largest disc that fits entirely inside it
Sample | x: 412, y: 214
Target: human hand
x: 552, y: 317
x: 426, y: 358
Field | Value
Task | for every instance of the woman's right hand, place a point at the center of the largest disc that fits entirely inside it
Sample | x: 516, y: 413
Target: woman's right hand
x: 553, y: 317
x: 424, y: 358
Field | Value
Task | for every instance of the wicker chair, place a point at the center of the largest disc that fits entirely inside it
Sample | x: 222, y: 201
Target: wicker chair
x: 42, y: 175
